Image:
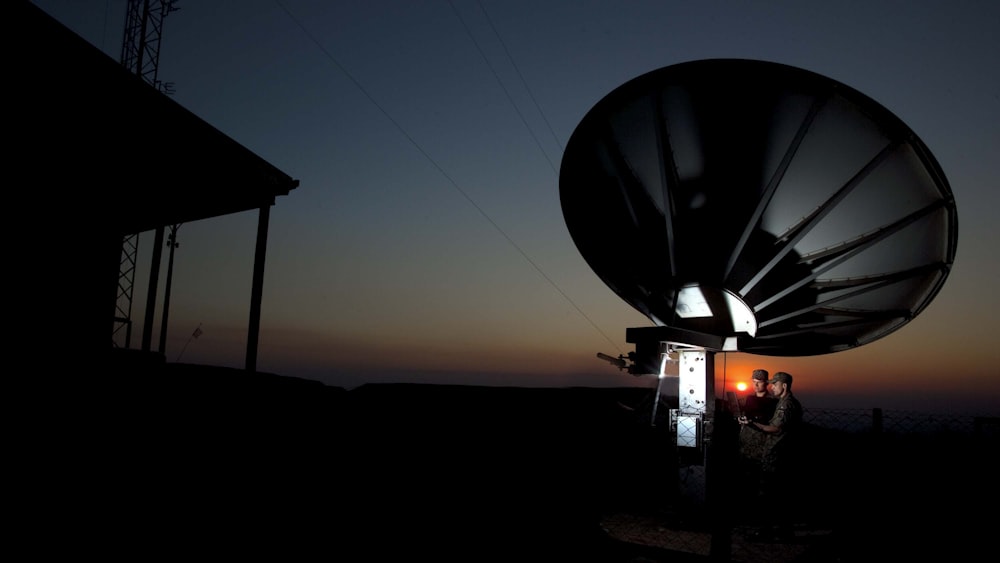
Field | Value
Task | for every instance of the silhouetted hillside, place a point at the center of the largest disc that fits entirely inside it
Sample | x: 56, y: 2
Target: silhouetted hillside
x: 191, y: 457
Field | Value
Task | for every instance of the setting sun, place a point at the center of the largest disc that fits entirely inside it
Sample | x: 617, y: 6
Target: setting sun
x: 741, y: 386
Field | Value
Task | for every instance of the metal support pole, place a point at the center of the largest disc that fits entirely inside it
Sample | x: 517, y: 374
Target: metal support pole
x: 154, y: 277
x: 171, y: 244
x: 257, y: 290
x: 694, y: 418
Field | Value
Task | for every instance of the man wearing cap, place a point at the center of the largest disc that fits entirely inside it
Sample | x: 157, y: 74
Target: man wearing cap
x: 780, y: 437
x: 759, y: 406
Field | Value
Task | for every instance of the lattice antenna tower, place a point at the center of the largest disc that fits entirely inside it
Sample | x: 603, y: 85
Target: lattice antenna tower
x: 141, y: 55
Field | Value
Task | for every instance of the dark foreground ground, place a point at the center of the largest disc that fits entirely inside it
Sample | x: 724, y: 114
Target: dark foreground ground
x: 190, y: 461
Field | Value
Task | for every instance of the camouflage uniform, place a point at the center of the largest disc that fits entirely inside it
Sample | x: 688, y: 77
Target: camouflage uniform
x: 753, y: 445
x: 787, y: 417
x: 776, y: 497
x: 777, y: 471
x: 753, y: 442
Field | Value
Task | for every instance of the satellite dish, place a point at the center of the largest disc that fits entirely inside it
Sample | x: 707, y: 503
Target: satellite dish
x: 758, y: 207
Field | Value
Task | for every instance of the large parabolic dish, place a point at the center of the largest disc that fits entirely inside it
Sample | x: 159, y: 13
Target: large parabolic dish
x: 759, y: 203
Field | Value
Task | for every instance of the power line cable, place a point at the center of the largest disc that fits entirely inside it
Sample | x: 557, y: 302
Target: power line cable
x: 440, y: 169
x: 502, y: 86
x: 521, y: 76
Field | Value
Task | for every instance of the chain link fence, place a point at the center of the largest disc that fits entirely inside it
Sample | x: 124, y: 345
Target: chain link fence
x: 902, y: 422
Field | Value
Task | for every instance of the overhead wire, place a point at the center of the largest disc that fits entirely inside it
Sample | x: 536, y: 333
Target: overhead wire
x: 444, y: 173
x: 500, y: 83
x: 521, y: 77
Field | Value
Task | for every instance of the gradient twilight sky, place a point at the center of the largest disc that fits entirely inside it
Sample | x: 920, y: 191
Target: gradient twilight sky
x: 426, y: 241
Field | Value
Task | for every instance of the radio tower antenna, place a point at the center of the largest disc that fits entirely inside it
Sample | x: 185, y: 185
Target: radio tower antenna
x: 140, y: 55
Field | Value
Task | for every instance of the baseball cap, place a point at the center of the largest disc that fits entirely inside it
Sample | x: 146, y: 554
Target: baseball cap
x: 760, y: 374
x: 782, y: 377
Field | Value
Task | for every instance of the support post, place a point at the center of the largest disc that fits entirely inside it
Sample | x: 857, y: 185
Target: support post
x: 154, y: 278
x: 693, y: 419
x: 253, y: 333
x: 172, y: 243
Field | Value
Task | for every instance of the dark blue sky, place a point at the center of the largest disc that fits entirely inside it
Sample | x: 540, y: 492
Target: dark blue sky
x: 426, y: 240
